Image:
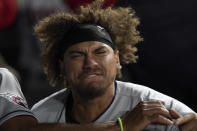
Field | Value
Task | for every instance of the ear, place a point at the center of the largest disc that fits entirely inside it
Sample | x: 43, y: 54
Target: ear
x: 117, y: 59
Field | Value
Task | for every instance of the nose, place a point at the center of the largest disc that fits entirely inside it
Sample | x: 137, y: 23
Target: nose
x: 90, y: 62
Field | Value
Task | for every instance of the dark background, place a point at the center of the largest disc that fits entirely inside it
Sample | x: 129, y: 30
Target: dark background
x: 168, y: 55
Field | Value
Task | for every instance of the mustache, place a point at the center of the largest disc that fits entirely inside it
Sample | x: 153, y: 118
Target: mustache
x: 96, y: 71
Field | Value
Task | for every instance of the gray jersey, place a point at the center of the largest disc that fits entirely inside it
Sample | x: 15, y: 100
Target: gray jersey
x: 12, y: 101
x: 127, y: 96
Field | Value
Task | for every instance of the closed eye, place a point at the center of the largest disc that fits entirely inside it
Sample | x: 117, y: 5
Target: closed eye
x: 75, y: 54
x: 101, y: 50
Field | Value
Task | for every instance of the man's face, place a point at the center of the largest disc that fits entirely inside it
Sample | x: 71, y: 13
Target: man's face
x: 90, y: 68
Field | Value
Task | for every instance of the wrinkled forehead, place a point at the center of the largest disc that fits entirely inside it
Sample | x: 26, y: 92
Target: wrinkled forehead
x: 89, y: 45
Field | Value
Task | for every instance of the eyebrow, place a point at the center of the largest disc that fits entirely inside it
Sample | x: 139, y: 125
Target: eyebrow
x: 75, y: 52
x: 80, y: 52
x: 100, y: 48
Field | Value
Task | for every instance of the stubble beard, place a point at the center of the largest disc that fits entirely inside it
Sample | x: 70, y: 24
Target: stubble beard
x: 93, y: 89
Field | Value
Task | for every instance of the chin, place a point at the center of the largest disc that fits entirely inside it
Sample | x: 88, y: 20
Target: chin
x: 94, y: 81
x: 92, y: 89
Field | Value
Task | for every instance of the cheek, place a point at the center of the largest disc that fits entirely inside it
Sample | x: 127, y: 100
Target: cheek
x: 110, y: 64
x: 73, y: 69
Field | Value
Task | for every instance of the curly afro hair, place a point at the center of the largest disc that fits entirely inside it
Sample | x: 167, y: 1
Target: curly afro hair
x: 121, y: 24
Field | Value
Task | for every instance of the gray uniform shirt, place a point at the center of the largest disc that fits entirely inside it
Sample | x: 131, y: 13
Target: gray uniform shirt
x: 127, y: 96
x: 12, y: 101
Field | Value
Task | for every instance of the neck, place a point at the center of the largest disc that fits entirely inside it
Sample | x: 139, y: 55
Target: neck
x: 85, y: 111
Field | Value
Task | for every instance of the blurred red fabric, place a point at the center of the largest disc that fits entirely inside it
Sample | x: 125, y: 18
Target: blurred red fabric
x: 8, y: 12
x: 73, y: 4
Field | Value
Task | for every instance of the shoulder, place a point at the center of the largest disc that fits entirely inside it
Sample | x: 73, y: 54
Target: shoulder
x: 10, y: 88
x: 145, y: 93
x: 130, y: 94
x: 6, y: 75
x: 57, y: 97
x: 45, y: 110
x: 137, y: 93
x: 10, y: 109
x: 9, y: 83
x: 5, y: 72
x: 12, y: 100
x: 130, y: 89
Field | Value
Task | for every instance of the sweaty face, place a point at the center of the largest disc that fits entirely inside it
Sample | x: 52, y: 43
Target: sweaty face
x: 90, y: 68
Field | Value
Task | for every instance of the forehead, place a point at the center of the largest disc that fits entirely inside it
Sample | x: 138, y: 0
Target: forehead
x: 88, y: 45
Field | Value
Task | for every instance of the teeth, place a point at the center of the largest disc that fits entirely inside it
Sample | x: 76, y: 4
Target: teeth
x: 91, y: 75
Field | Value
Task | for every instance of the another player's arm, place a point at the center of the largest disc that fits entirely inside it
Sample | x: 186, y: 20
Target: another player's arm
x: 29, y: 123
x: 142, y: 115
